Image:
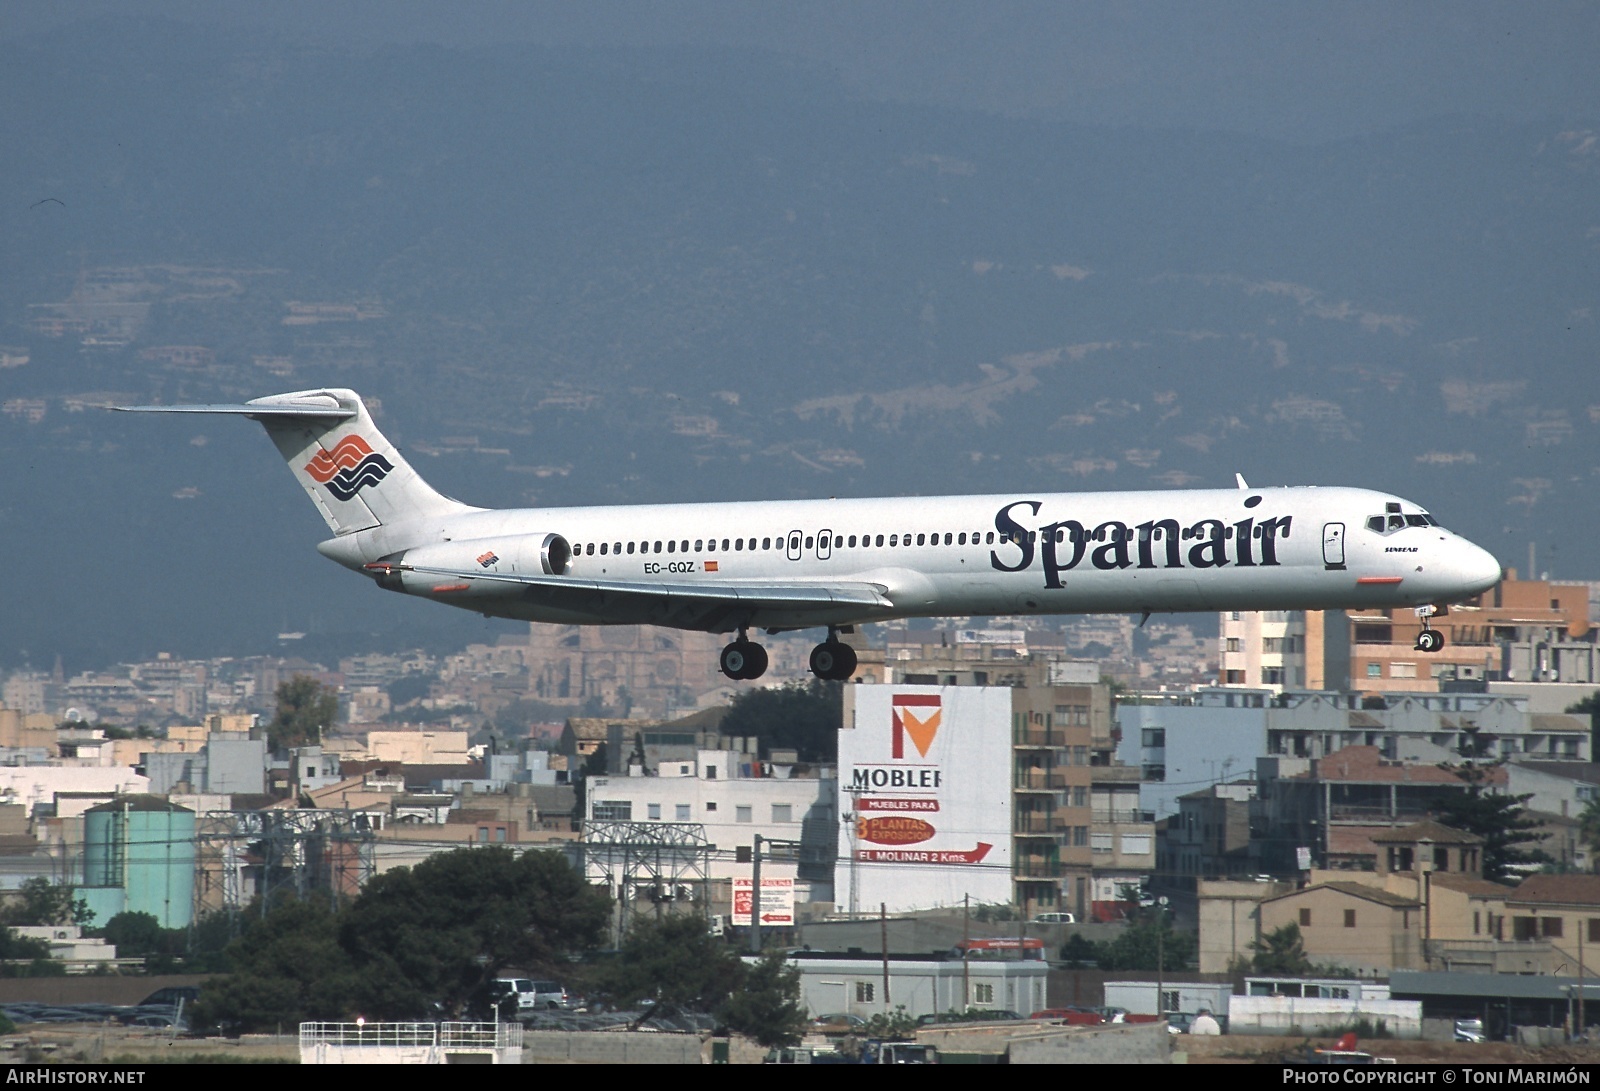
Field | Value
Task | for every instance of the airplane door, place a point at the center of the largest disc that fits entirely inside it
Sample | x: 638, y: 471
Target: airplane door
x: 1333, y: 545
x: 794, y: 545
x: 824, y: 544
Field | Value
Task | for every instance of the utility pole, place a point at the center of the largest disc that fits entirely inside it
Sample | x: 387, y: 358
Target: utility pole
x: 1161, y: 956
x: 755, y: 896
x: 966, y: 944
x: 883, y: 928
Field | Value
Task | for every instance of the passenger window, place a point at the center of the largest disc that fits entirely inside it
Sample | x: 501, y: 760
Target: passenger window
x: 961, y: 539
x: 602, y: 549
x: 617, y: 548
x: 658, y: 547
x: 794, y: 542
x: 724, y: 545
x: 809, y: 540
x: 766, y: 543
x: 852, y: 541
x: 738, y: 544
x: 630, y: 547
x: 894, y: 539
x: 699, y: 544
x: 920, y: 538
x: 590, y: 552
x: 672, y: 547
x: 948, y: 537
x: 988, y: 539
x: 880, y: 541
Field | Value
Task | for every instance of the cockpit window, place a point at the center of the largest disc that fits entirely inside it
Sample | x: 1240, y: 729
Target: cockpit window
x: 1393, y: 520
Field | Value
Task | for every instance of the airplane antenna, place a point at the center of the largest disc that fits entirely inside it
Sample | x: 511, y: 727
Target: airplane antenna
x: 1240, y: 479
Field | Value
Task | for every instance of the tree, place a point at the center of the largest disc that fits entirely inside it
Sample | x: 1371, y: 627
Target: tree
x: 140, y: 935
x: 1590, y: 704
x: 1501, y: 820
x: 42, y: 902
x: 1589, y: 824
x: 802, y: 716
x: 287, y: 968
x: 1281, y: 952
x: 673, y: 964
x: 437, y: 935
x: 24, y: 957
x: 767, y: 1006
x: 306, y: 708
x: 1149, y: 943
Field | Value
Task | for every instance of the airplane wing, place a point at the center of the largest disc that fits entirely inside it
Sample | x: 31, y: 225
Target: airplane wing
x: 698, y: 605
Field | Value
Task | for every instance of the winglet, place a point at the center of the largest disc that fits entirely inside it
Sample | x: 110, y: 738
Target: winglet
x: 1240, y: 479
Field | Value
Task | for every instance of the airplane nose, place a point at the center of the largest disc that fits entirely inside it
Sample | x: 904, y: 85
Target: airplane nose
x: 1479, y: 568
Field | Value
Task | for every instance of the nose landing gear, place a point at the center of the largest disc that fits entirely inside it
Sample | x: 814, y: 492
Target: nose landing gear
x: 1430, y: 639
x: 744, y: 659
x: 833, y: 660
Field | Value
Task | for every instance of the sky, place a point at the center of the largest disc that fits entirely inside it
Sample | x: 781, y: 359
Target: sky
x: 1300, y: 72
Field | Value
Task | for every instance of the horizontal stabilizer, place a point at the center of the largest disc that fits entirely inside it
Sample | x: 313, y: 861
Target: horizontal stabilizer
x: 319, y: 412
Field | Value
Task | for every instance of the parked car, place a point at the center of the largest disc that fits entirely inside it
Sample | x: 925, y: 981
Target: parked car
x: 838, y: 1022
x: 535, y: 995
x: 1055, y: 918
x: 972, y: 1015
x: 1470, y: 1030
x: 1072, y: 1015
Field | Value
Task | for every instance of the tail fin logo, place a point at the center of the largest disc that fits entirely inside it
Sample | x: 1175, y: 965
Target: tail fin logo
x: 349, y: 467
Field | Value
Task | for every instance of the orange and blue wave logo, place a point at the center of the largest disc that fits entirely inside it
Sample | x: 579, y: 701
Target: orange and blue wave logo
x: 349, y: 467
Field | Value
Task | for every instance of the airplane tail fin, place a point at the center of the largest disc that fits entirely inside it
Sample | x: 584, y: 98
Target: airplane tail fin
x: 355, y: 476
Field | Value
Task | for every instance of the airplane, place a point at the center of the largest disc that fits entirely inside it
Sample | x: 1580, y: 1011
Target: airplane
x: 733, y: 567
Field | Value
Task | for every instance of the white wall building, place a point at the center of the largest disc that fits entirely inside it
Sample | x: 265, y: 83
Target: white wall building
x: 717, y: 790
x: 1263, y: 650
x: 833, y: 984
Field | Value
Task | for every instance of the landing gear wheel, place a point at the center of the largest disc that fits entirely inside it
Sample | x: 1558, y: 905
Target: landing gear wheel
x: 833, y: 661
x: 1430, y: 640
x: 743, y: 660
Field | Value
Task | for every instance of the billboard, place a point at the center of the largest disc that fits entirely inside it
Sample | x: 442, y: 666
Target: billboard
x: 925, y: 797
x: 777, y: 902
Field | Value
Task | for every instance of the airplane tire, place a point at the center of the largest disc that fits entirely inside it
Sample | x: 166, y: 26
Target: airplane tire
x: 1429, y: 640
x: 833, y: 661
x: 743, y: 660
x: 735, y: 659
x: 755, y: 659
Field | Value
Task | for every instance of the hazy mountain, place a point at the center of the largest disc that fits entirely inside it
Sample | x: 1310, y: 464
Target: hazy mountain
x: 615, y: 275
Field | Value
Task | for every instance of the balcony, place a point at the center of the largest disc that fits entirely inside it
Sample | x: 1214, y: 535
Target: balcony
x: 1114, y: 774
x: 1029, y: 822
x: 1035, y: 736
x: 1033, y: 867
x: 1038, y: 780
x: 1120, y: 817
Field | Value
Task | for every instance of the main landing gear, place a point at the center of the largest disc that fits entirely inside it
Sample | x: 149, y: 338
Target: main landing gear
x: 744, y: 659
x: 1430, y: 639
x: 833, y: 660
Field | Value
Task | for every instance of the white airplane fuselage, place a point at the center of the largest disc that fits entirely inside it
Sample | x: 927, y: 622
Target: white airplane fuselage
x: 1189, y: 550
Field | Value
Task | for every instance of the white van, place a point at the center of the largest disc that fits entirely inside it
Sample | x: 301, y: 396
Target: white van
x: 1055, y: 918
